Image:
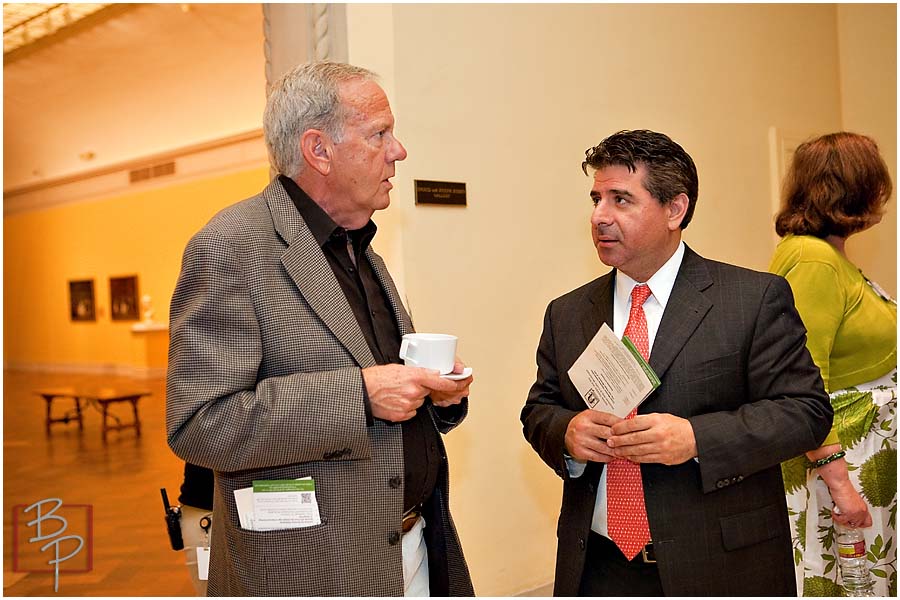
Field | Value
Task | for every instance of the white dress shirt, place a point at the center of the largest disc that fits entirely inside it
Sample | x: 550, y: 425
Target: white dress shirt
x: 661, y: 284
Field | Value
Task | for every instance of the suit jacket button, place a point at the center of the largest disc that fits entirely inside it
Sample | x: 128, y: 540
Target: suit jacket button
x: 395, y: 482
x: 393, y: 538
x: 581, y: 543
x: 740, y: 478
x: 721, y: 483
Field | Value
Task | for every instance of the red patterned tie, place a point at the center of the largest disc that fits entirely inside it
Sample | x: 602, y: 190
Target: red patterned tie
x: 625, y: 511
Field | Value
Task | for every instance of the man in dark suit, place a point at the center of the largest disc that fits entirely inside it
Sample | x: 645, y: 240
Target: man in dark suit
x: 283, y: 364
x: 685, y: 498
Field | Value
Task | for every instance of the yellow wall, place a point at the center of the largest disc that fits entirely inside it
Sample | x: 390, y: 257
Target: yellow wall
x: 141, y: 234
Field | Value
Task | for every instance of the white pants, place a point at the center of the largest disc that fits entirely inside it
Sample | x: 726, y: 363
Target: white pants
x: 415, y: 562
x: 194, y: 537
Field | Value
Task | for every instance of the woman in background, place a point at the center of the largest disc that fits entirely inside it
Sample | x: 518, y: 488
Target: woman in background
x: 838, y: 185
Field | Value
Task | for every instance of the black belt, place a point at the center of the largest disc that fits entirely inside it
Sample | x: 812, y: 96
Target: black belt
x: 410, y: 518
x: 608, y: 548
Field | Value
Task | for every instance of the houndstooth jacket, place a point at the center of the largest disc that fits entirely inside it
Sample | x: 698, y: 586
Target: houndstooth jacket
x: 264, y: 382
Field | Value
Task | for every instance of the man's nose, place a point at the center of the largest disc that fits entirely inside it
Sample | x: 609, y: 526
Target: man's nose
x: 600, y: 214
x: 397, y: 151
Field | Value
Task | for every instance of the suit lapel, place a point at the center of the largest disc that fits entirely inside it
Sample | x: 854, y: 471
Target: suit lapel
x: 401, y: 316
x: 601, y: 311
x: 310, y: 271
x: 685, y: 310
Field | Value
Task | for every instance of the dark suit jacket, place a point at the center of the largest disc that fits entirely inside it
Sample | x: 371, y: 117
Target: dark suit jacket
x: 264, y: 382
x: 731, y: 354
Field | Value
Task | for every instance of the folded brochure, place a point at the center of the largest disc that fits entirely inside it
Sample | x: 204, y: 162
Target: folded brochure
x: 278, y: 504
x: 611, y: 375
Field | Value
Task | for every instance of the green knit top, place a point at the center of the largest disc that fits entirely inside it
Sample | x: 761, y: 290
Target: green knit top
x: 852, y: 329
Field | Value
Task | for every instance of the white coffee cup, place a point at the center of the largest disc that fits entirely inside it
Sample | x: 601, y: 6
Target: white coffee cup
x: 429, y: 350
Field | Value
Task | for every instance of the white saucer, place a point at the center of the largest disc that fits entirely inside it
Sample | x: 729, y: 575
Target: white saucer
x: 457, y: 376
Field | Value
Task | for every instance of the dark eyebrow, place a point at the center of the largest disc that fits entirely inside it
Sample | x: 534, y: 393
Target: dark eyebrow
x: 614, y: 192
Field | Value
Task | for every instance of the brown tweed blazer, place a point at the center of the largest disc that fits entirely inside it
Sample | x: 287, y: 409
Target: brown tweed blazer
x: 264, y: 382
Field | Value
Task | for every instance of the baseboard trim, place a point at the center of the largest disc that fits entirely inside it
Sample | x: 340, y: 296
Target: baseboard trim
x: 112, y: 370
x: 543, y: 591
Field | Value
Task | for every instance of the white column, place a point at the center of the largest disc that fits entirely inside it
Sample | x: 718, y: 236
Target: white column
x: 296, y: 33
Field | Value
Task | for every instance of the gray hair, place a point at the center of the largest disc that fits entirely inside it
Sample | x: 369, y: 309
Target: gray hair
x: 306, y: 97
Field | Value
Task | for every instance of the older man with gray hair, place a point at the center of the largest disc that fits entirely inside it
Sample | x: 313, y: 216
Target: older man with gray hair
x: 283, y: 364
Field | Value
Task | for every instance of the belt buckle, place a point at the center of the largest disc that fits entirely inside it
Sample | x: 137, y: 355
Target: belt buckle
x: 408, y: 521
x: 648, y: 555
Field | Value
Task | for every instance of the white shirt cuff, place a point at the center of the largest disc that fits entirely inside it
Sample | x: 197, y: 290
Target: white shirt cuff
x: 576, y: 467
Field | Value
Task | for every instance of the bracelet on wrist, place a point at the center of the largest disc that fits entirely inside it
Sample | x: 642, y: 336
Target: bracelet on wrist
x: 824, y: 461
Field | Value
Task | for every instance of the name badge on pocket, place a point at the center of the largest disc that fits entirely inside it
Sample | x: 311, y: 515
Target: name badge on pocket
x: 203, y: 563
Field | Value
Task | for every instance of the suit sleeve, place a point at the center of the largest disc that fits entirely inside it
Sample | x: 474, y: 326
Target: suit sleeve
x: 544, y: 417
x: 218, y: 414
x: 787, y: 411
x: 448, y: 417
x: 820, y: 299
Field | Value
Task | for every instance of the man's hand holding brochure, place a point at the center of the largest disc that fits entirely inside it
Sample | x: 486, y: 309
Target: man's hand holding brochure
x: 613, y: 379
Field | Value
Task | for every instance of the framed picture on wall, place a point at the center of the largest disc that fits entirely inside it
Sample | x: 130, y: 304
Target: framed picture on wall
x: 123, y: 298
x: 81, y: 300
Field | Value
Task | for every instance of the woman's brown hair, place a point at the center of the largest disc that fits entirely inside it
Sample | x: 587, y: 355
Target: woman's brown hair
x: 836, y: 185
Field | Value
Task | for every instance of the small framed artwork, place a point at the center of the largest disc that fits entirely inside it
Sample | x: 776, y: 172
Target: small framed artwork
x: 81, y: 300
x: 123, y: 298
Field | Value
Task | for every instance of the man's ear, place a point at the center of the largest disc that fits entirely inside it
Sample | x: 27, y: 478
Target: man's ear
x: 677, y: 208
x: 316, y: 149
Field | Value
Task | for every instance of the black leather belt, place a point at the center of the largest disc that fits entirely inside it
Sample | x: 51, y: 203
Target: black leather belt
x: 609, y: 549
x: 648, y: 555
x: 410, y: 518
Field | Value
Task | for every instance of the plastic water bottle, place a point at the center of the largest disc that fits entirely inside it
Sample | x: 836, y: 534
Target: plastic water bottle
x: 853, y: 562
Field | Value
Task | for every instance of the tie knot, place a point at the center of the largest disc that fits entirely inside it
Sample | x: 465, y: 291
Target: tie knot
x: 639, y: 294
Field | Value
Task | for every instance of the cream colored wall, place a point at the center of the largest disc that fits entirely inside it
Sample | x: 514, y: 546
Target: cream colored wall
x: 506, y: 98
x: 867, y: 35
x: 142, y: 233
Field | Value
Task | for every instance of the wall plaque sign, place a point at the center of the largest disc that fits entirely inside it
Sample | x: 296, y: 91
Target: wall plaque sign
x: 440, y: 192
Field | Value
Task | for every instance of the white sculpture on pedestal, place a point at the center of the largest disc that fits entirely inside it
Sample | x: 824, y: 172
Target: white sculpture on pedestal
x: 146, y: 305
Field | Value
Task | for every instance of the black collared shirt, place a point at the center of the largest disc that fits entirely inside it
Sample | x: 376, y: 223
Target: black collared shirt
x: 370, y: 305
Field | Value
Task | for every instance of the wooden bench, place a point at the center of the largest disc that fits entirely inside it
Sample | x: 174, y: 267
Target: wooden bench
x: 49, y: 395
x: 100, y: 398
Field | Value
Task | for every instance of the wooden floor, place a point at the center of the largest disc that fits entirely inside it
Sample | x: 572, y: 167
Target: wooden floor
x: 119, y: 479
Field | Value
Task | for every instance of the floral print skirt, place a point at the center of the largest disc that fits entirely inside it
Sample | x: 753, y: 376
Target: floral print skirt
x: 866, y: 420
